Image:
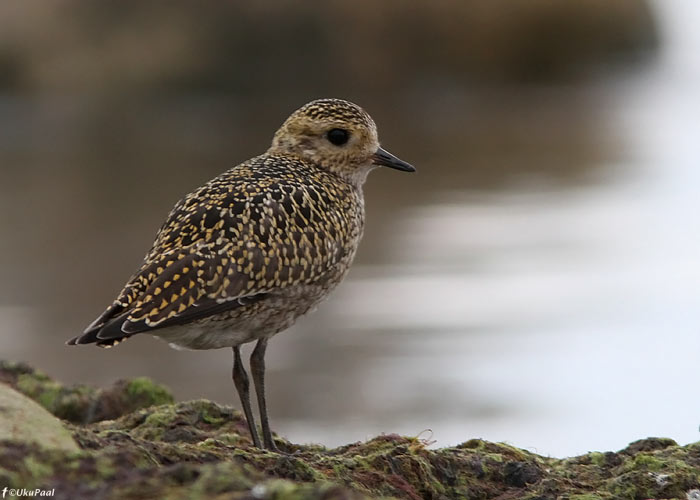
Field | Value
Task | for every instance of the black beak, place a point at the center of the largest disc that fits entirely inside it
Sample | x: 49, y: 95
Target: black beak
x: 386, y: 159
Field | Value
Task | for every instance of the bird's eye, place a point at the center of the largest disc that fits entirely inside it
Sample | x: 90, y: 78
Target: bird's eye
x: 338, y: 136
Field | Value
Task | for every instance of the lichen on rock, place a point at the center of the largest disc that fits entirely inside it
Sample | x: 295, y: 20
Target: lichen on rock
x: 154, y: 448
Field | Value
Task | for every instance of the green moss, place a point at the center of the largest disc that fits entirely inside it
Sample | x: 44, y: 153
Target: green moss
x: 40, y: 388
x: 646, y: 462
x: 28, y: 384
x: 144, y: 392
x: 161, y: 417
x: 624, y: 489
x: 158, y: 420
x: 49, y: 397
x: 232, y: 439
x: 597, y: 459
x: 494, y: 457
x: 473, y: 444
x: 200, y: 450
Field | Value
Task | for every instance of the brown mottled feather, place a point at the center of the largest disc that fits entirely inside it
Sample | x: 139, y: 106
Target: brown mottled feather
x: 260, y: 226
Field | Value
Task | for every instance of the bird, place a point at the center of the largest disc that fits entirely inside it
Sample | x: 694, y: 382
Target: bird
x: 239, y: 259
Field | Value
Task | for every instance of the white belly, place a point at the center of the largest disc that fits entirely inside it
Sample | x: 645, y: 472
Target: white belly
x: 194, y: 336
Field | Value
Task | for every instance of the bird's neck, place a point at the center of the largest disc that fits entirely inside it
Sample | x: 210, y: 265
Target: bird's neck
x: 355, y: 176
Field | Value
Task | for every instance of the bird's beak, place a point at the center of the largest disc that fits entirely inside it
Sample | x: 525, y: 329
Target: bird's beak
x: 386, y: 159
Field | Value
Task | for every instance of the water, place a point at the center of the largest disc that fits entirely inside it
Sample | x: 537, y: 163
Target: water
x: 536, y: 282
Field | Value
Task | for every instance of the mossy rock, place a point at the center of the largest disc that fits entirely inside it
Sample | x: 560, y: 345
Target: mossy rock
x: 83, y: 404
x: 198, y: 449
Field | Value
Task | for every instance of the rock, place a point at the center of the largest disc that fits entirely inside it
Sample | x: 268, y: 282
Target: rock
x: 83, y: 404
x: 198, y: 449
x: 24, y: 421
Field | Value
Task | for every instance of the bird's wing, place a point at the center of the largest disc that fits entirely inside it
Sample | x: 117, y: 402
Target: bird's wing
x: 225, y: 246
x: 177, y: 289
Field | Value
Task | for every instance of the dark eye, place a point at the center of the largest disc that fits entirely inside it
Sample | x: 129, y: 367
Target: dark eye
x: 338, y: 136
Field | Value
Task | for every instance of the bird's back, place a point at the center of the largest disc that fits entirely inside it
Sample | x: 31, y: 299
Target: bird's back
x: 273, y: 233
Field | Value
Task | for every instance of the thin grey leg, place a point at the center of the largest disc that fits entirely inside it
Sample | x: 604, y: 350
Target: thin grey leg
x: 257, y: 368
x: 240, y: 380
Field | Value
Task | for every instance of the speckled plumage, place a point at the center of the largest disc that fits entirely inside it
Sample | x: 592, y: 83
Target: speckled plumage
x: 243, y: 256
x: 255, y: 247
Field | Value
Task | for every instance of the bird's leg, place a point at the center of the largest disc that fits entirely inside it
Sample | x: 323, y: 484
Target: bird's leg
x: 257, y: 368
x: 240, y: 380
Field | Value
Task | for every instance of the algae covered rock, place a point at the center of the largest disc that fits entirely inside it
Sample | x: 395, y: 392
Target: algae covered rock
x: 198, y: 449
x: 83, y: 404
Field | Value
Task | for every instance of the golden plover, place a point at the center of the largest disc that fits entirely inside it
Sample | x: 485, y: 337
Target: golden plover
x: 246, y: 254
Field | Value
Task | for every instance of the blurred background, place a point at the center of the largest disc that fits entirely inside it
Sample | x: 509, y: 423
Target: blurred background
x: 536, y: 282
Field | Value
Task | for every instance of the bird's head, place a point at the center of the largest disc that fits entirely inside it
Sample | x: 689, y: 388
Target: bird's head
x: 336, y: 135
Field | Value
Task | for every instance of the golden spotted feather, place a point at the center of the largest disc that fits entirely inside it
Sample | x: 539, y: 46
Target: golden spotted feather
x: 273, y: 222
